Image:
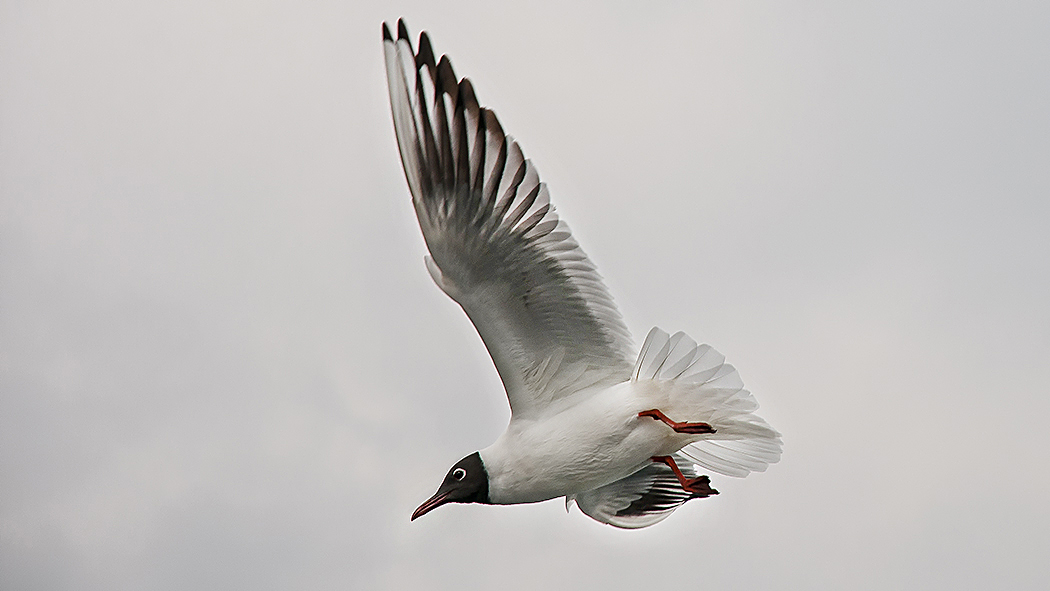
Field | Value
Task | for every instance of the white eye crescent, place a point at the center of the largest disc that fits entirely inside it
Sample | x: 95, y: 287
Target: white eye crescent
x: 459, y: 474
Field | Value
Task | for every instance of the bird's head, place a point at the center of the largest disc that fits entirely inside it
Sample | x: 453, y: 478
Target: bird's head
x: 466, y: 482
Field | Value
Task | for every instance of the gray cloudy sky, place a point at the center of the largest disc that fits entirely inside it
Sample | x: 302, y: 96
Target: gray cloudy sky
x: 223, y: 364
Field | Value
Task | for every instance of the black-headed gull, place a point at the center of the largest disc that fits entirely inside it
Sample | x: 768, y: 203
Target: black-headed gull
x: 619, y: 434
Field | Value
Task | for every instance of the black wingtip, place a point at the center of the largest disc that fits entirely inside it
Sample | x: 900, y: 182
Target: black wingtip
x: 467, y: 97
x: 446, y: 76
x: 402, y: 30
x: 386, y: 33
x: 425, y: 55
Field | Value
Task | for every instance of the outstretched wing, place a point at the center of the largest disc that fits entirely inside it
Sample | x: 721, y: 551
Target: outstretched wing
x: 646, y: 497
x: 496, y: 245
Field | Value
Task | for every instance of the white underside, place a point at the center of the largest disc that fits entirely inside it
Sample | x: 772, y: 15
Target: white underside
x: 596, y: 437
x: 594, y: 442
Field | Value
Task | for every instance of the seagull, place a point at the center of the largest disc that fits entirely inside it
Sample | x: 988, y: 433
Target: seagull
x: 620, y: 435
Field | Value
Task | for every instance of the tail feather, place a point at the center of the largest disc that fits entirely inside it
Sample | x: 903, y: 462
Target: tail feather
x: 734, y: 457
x: 707, y: 389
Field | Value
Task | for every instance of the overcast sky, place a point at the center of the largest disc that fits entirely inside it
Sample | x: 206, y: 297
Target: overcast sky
x: 224, y: 366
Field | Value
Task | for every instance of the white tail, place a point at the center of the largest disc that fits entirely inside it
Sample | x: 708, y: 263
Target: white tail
x: 707, y: 389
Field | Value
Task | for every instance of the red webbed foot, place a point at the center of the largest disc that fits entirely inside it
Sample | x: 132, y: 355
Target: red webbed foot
x: 689, y: 428
x: 699, y: 486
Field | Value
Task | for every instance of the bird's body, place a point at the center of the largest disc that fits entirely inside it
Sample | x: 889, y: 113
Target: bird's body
x: 597, y: 440
x: 592, y: 421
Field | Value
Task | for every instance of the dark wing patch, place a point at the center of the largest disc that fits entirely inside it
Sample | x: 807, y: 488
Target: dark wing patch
x: 646, y: 497
x: 665, y: 494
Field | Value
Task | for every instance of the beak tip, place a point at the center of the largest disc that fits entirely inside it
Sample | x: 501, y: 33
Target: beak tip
x: 432, y: 503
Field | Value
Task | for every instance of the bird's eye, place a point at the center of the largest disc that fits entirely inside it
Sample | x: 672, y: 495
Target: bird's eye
x: 459, y: 474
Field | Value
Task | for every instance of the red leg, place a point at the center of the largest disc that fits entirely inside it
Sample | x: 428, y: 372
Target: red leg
x: 699, y: 486
x: 691, y: 428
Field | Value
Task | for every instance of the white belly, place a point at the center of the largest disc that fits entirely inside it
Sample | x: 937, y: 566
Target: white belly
x: 597, y: 441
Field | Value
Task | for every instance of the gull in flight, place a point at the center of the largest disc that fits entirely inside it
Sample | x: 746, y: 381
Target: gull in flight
x: 619, y: 434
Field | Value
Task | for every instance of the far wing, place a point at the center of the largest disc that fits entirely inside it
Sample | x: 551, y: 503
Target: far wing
x: 646, y: 497
x: 496, y: 245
